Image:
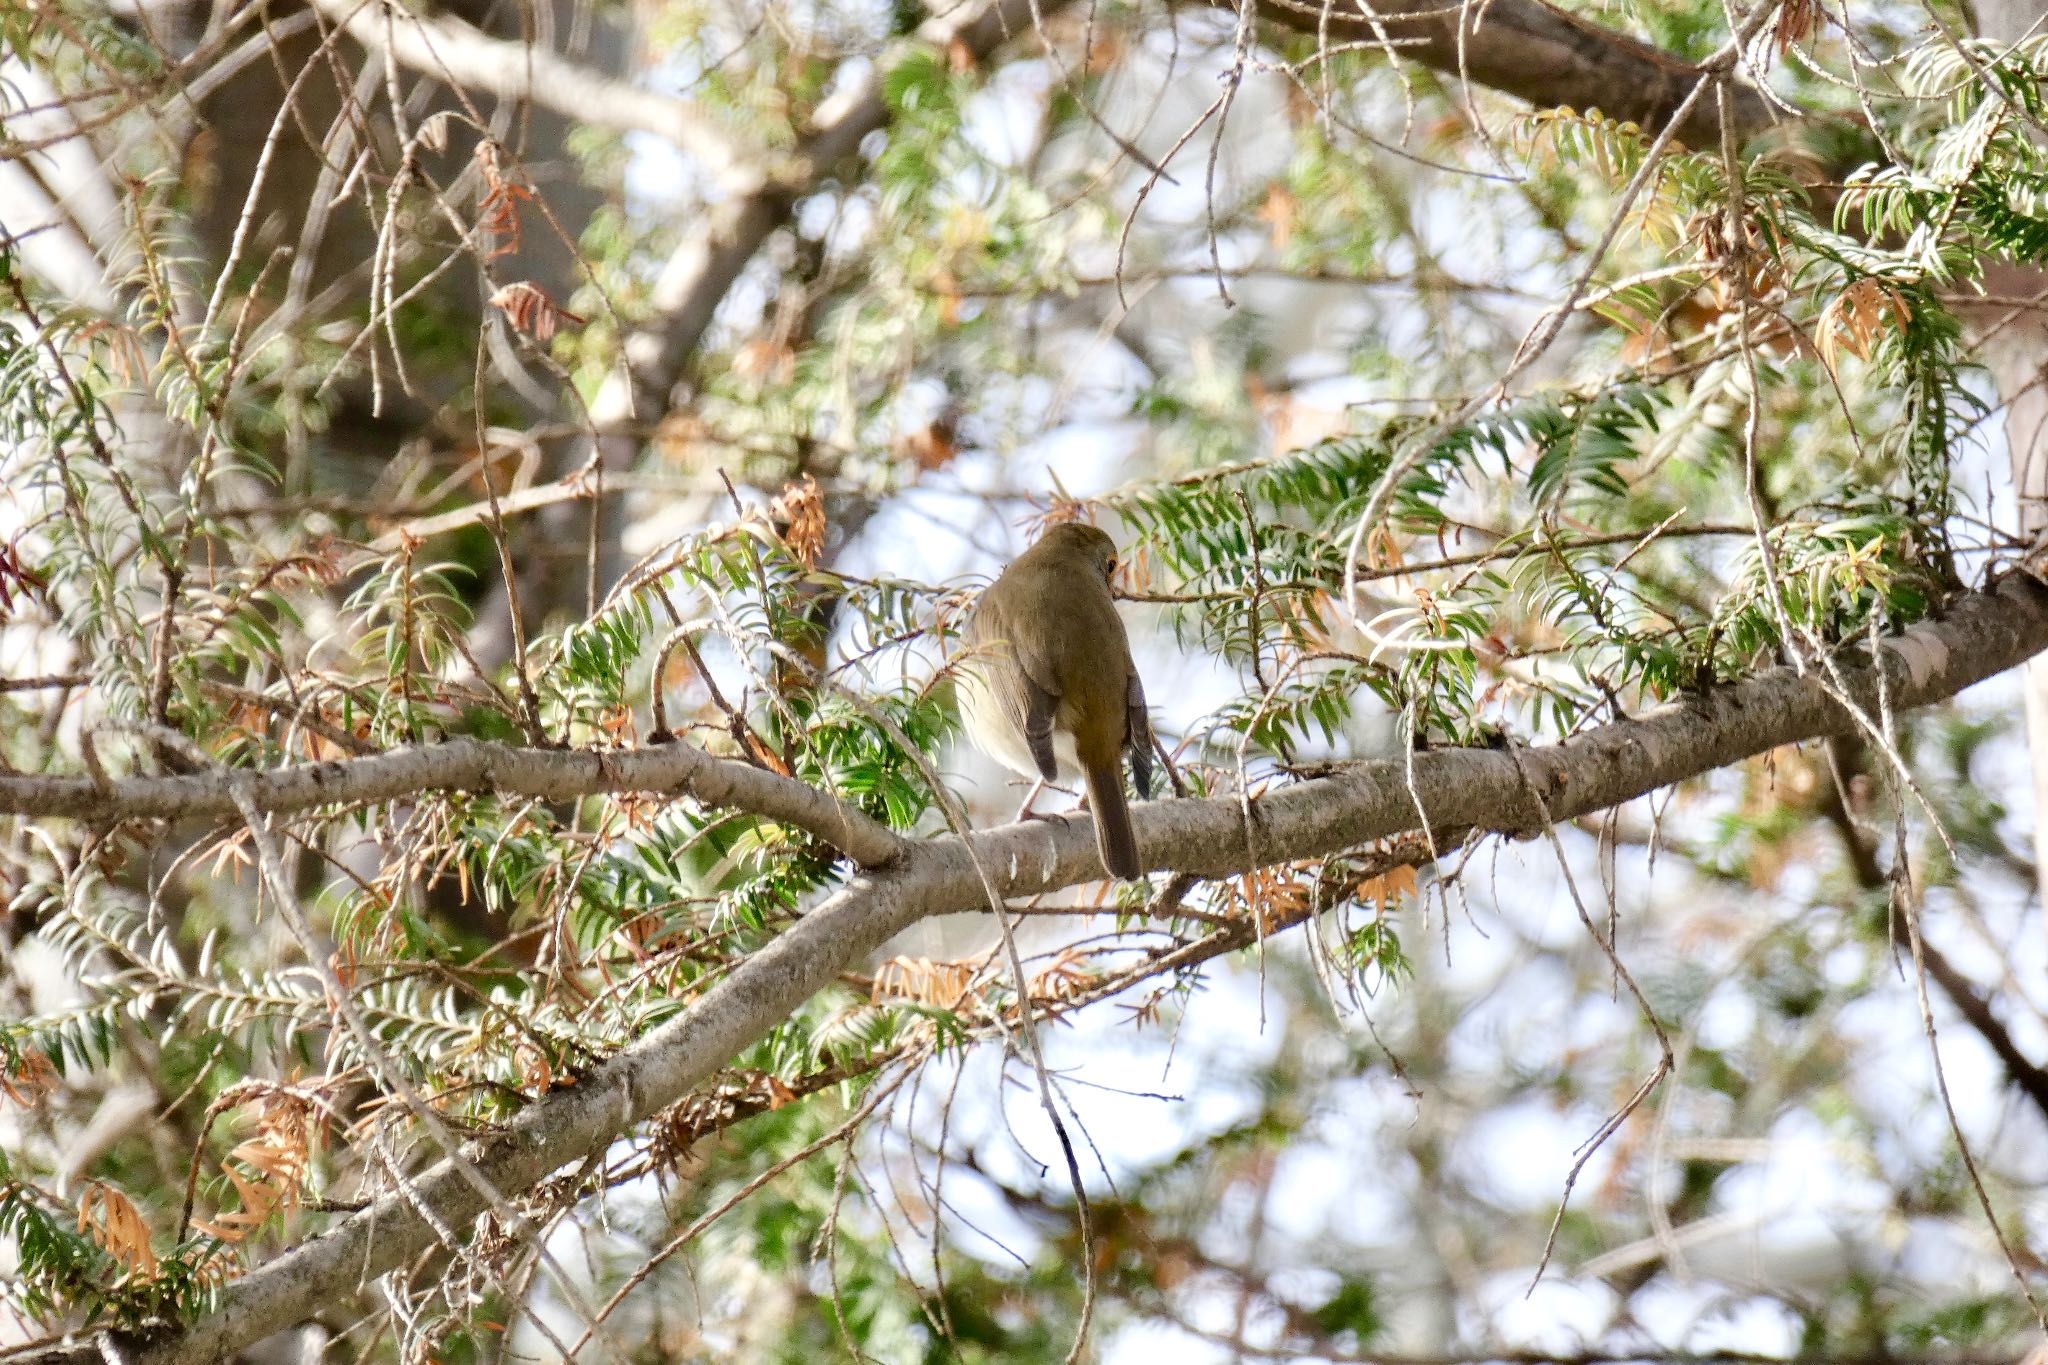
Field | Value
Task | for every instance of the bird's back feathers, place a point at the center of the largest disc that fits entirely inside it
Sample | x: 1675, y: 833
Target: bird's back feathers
x: 1045, y: 642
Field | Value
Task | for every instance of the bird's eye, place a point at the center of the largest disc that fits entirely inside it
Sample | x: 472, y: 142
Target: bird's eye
x: 1109, y: 564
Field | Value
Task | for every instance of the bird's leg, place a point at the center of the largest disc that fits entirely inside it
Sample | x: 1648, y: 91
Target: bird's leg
x: 1024, y: 812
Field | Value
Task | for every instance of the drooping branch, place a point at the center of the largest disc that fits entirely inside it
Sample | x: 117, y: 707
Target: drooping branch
x: 1870, y: 875
x: 2025, y: 1074
x: 462, y: 765
x: 1502, y: 790
x: 1533, y: 52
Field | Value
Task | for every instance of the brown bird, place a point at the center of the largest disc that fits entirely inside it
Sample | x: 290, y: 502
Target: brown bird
x: 1048, y: 688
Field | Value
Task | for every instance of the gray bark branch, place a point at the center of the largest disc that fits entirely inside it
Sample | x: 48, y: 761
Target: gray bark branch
x: 1534, y: 52
x: 462, y: 765
x: 1982, y: 634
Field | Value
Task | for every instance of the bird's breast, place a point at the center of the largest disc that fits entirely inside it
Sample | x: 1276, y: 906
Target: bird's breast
x: 993, y: 731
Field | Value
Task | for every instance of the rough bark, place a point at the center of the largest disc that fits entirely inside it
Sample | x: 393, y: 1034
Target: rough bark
x: 1529, y: 50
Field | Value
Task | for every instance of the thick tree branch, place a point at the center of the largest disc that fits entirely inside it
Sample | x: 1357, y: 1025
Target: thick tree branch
x: 1983, y: 634
x: 1532, y: 51
x: 462, y: 765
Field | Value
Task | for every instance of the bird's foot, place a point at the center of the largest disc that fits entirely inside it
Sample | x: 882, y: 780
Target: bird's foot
x: 1024, y: 812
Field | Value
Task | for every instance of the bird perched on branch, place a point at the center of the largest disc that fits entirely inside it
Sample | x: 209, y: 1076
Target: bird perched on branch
x: 1048, y: 687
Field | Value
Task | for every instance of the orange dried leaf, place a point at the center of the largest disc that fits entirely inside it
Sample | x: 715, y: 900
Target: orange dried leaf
x: 502, y: 198
x: 1274, y: 897
x: 232, y: 851
x: 1059, y: 509
x: 1386, y: 890
x: 1855, y: 318
x: 765, y: 358
x: 1278, y: 212
x: 800, y: 510
x: 946, y: 289
x: 530, y: 308
x: 1382, y: 550
x: 125, y: 359
x: 931, y: 446
x: 1798, y: 20
x: 758, y: 749
x: 1065, y: 979
x: 30, y: 1078
x: 117, y: 1226
x: 922, y: 981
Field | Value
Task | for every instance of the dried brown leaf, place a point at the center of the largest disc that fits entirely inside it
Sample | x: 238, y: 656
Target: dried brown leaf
x: 530, y: 308
x: 922, y: 981
x: 118, y: 1227
x: 799, y: 511
x: 30, y: 1079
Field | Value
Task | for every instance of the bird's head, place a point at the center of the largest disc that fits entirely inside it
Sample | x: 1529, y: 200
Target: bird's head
x: 1081, y: 541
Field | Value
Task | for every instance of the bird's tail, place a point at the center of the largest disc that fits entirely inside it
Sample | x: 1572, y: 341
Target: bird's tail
x: 1113, y: 836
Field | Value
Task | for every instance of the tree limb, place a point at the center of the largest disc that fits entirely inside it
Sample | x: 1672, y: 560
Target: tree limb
x: 1983, y: 633
x: 1976, y: 1011
x: 2020, y: 1069
x: 1532, y: 51
x: 462, y: 765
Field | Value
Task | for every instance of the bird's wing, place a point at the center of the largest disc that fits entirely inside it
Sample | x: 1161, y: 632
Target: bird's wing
x: 1139, y: 736
x: 1022, y: 682
x: 1039, y: 707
